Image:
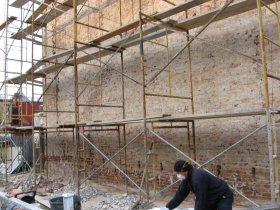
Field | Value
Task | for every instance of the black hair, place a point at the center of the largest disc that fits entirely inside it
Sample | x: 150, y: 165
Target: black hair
x: 182, y: 166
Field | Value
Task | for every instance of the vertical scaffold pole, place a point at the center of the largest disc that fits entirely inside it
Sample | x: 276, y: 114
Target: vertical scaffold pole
x: 76, y: 95
x: 144, y: 100
x: 266, y: 99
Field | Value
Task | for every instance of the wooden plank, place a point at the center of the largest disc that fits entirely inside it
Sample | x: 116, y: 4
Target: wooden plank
x: 7, y: 22
x: 122, y: 121
x: 45, y: 18
x: 39, y: 10
x: 19, y: 3
x: 161, y: 118
x: 179, y: 8
x: 70, y: 125
x: 175, y: 10
x: 25, y: 32
x: 54, y: 13
x: 25, y: 77
x: 155, y: 32
x: 232, y: 10
x: 211, y: 116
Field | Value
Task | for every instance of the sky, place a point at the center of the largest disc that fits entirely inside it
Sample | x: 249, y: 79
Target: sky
x: 16, y: 49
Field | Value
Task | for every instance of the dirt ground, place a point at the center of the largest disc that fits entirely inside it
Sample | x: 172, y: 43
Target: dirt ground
x: 102, y: 195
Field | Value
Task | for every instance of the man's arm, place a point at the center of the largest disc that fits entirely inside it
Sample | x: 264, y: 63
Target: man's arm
x: 180, y: 195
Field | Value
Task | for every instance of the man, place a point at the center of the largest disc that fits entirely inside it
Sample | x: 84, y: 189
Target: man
x: 211, y: 192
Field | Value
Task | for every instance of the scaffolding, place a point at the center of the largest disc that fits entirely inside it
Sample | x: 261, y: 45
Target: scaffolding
x: 148, y: 29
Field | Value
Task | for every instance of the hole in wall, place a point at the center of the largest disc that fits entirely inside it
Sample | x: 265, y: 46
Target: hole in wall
x: 219, y: 168
x: 254, y: 172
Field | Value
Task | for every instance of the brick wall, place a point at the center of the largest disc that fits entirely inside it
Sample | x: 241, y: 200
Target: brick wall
x: 222, y: 82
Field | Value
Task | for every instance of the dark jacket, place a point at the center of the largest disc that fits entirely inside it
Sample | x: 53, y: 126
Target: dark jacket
x: 207, y: 188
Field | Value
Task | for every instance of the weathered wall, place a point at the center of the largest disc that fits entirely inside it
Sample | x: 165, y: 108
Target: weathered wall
x: 222, y: 82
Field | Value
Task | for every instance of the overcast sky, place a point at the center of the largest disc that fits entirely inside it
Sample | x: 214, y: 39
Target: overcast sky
x: 16, y: 50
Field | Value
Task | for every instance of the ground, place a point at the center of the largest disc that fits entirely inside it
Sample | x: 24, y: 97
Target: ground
x: 98, y: 196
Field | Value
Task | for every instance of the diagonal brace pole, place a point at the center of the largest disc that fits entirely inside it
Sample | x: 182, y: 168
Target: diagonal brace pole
x: 191, y: 40
x: 117, y: 167
x: 55, y: 76
x: 107, y: 161
x: 233, y: 145
x: 186, y: 156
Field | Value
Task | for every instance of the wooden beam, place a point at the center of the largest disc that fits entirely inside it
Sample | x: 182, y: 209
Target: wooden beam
x: 7, y: 22
x: 39, y: 10
x: 45, y: 19
x: 179, y: 8
x: 175, y: 10
x: 169, y: 2
x: 183, y: 118
x: 156, y: 31
x: 210, y: 116
x: 232, y: 10
x: 19, y: 3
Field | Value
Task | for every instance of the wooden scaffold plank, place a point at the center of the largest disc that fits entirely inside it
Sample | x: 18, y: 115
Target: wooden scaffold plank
x: 155, y: 32
x: 19, y: 3
x: 7, y: 22
x: 179, y: 8
x: 44, y: 5
x: 46, y: 18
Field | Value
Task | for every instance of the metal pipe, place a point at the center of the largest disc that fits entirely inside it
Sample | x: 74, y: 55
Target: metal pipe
x: 83, y: 24
x: 56, y: 75
x: 272, y: 41
x: 100, y: 130
x: 273, y: 77
x: 32, y: 105
x: 233, y: 145
x: 196, y: 35
x: 76, y: 98
x: 169, y: 2
x: 111, y: 68
x: 144, y: 99
x: 167, y: 96
x: 268, y: 7
x: 190, y: 68
x: 96, y: 105
x: 109, y: 160
x: 162, y: 127
x: 196, y: 163
x: 266, y: 98
x: 5, y: 92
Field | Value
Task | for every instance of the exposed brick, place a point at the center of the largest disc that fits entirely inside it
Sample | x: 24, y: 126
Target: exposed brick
x: 222, y: 82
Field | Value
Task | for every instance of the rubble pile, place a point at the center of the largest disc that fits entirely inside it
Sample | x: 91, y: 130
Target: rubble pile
x: 100, y: 199
x: 91, y: 197
x: 124, y: 202
x: 85, y: 193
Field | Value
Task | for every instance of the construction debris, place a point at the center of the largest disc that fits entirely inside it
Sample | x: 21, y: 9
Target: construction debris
x: 96, y: 199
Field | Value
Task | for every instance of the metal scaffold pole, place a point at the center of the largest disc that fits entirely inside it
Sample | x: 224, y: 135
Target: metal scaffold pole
x: 146, y: 170
x: 76, y: 96
x: 5, y: 95
x: 32, y: 101
x: 124, y: 127
x: 123, y: 103
x: 271, y: 132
